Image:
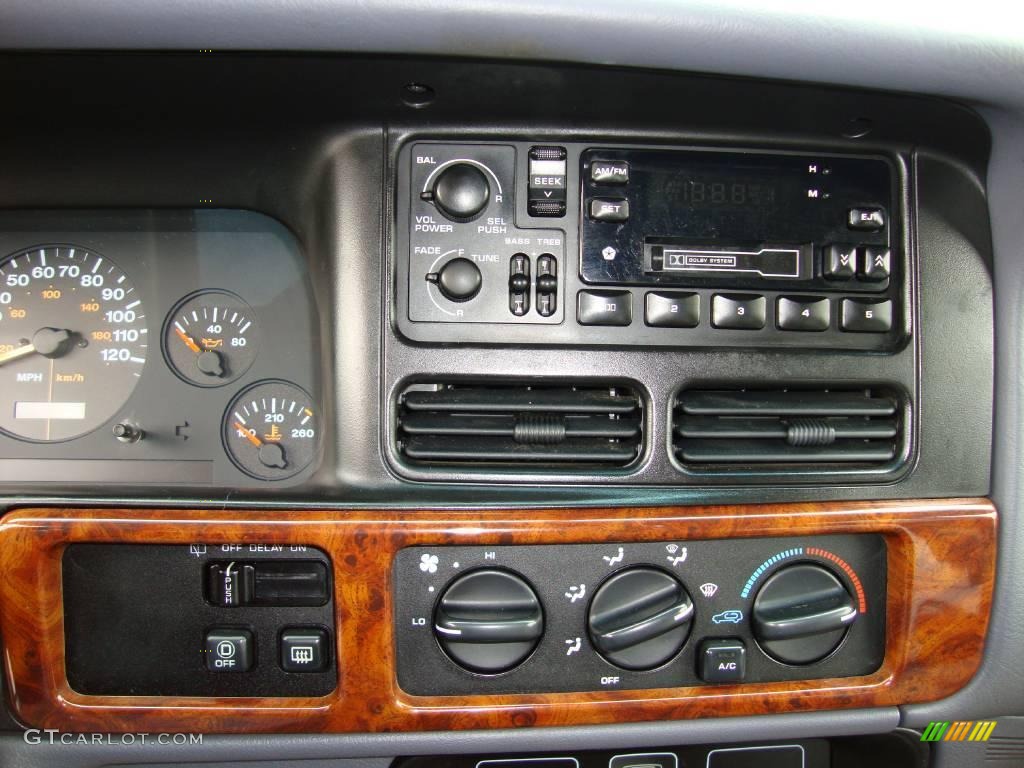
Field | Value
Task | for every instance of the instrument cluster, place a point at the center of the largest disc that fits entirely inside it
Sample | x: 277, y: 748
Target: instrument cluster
x: 155, y: 347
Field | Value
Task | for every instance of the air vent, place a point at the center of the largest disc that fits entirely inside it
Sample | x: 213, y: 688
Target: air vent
x: 533, y: 426
x: 787, y: 428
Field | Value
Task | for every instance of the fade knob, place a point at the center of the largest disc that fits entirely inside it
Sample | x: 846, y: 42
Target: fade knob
x: 458, y: 280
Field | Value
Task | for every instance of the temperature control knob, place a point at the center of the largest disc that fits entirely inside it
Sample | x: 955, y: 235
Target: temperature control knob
x: 460, y: 192
x: 489, y: 621
x: 458, y: 280
x: 640, y: 618
x: 802, y: 614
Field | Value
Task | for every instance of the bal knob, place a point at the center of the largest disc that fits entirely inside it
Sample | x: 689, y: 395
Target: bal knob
x: 460, y: 192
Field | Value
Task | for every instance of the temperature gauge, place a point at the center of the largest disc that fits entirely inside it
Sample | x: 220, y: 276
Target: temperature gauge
x: 210, y: 338
x: 271, y: 430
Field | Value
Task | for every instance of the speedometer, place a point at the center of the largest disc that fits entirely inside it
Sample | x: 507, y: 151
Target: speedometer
x: 72, y: 342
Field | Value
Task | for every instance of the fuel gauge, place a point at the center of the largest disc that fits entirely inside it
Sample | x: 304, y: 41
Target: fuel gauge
x: 210, y: 339
x: 271, y: 430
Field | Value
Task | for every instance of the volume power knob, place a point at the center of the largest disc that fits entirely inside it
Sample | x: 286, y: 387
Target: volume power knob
x: 640, y: 618
x: 489, y: 621
x: 460, y: 192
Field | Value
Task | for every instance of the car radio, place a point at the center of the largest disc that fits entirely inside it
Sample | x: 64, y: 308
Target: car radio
x: 588, y: 244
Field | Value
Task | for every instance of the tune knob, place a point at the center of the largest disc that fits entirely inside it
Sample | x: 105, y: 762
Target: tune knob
x: 802, y: 614
x: 460, y: 192
x: 489, y: 621
x: 640, y: 618
x: 458, y: 280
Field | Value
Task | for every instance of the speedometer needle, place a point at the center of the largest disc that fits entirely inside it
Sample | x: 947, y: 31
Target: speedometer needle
x: 17, y: 353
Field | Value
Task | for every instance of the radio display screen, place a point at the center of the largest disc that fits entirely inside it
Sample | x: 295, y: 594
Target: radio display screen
x: 726, y: 217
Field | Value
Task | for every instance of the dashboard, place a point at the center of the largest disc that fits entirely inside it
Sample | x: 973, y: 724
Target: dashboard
x: 353, y: 408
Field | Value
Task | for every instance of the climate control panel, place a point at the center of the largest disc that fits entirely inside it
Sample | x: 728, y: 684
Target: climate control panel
x: 549, y: 618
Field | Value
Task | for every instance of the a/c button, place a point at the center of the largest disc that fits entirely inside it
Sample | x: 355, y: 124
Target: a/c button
x: 722, y: 661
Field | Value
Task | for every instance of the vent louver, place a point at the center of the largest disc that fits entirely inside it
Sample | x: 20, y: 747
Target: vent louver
x: 520, y: 425
x: 785, y: 428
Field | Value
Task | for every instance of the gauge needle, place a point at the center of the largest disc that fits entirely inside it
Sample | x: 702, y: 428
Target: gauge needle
x: 188, y: 340
x: 248, y: 435
x: 17, y: 353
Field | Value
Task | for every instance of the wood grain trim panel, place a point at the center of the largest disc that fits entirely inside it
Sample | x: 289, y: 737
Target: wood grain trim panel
x: 941, y: 567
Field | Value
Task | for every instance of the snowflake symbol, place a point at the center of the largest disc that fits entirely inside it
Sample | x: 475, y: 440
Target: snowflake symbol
x: 428, y: 563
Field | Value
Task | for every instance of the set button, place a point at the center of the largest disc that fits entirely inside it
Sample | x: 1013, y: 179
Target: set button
x: 609, y: 209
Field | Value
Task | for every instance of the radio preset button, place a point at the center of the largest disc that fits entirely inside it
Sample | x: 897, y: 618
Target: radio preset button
x: 866, y: 219
x: 876, y: 265
x: 865, y: 316
x: 672, y: 310
x: 802, y: 314
x: 840, y: 261
x: 609, y: 172
x: 739, y: 312
x: 609, y: 209
x: 604, y: 307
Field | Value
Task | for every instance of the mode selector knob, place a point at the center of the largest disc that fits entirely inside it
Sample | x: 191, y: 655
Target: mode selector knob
x: 802, y: 614
x: 460, y: 192
x: 489, y: 621
x: 458, y: 280
x: 640, y: 618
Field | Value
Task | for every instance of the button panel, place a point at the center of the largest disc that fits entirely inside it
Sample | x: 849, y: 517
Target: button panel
x: 655, y: 229
x: 206, y: 620
x: 622, y: 616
